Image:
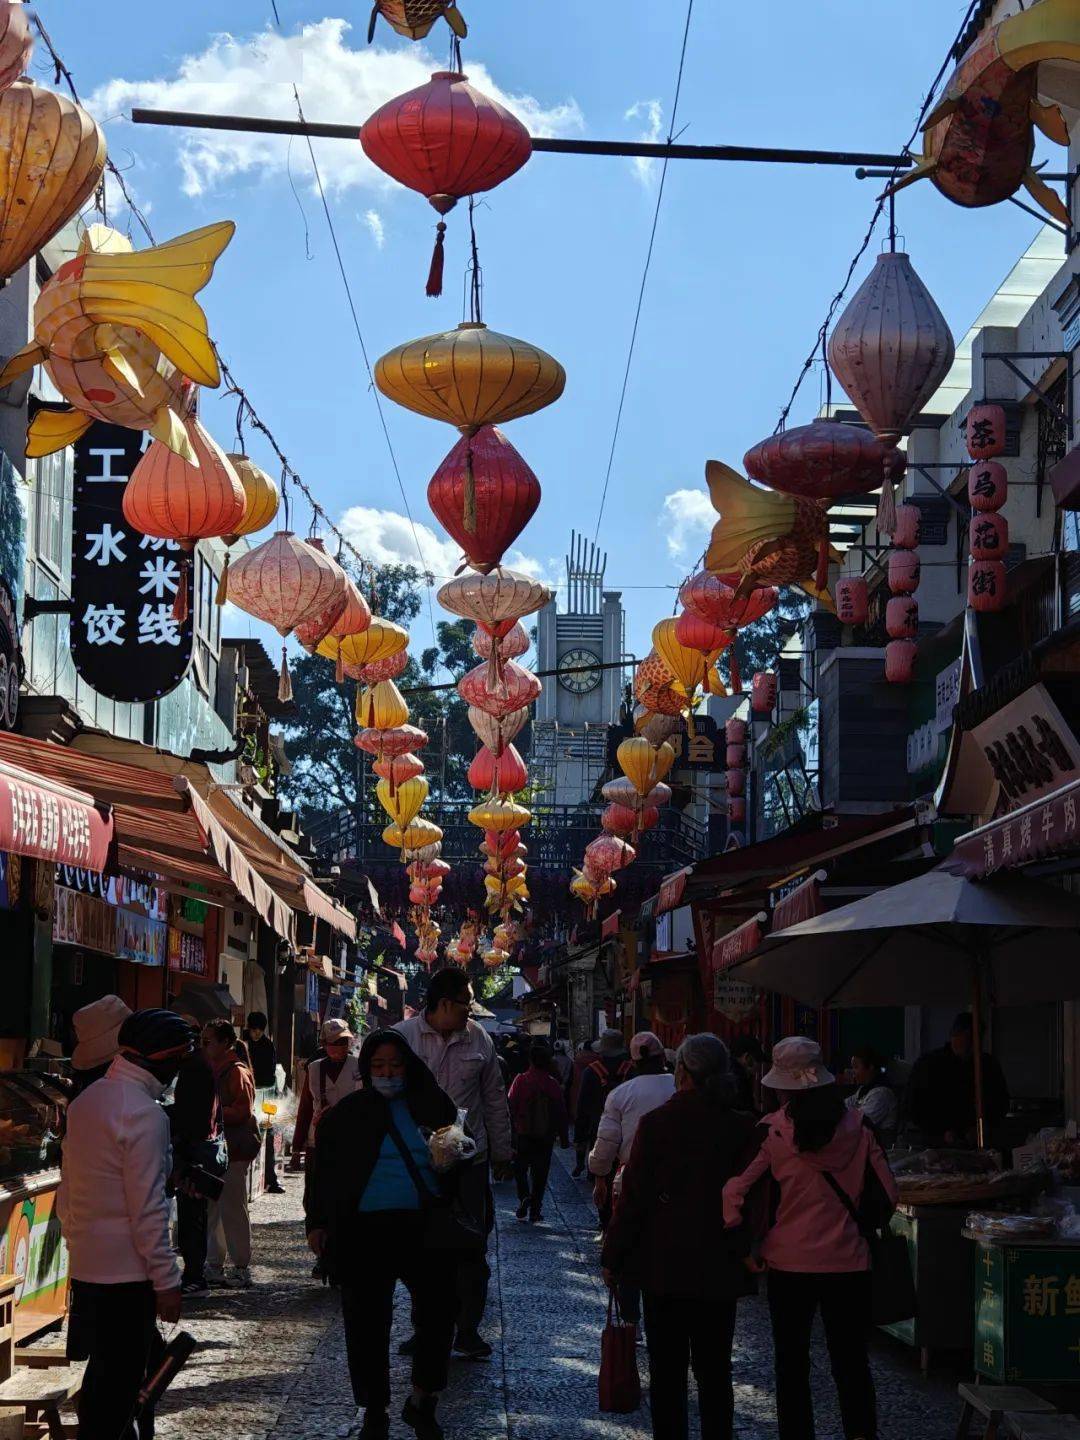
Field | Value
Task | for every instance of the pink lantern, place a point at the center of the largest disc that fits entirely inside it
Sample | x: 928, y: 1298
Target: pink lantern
x: 510, y: 646
x: 736, y: 810
x: 399, y: 741
x: 514, y: 689
x: 902, y: 618
x: 987, y: 585
x: 900, y: 661
x: 988, y: 536
x: 736, y: 782
x: 398, y: 768
x: 763, y: 692
x: 735, y: 731
x: 735, y: 757
x: 988, y: 485
x: 505, y: 774
x: 392, y: 668
x: 904, y: 572
x: 418, y: 895
x: 607, y: 853
x: 711, y: 597
x: 852, y: 600
x: 908, y: 527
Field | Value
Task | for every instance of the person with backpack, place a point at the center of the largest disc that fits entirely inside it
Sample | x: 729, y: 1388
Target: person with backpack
x: 610, y: 1067
x: 229, y: 1222
x: 829, y: 1183
x: 538, y: 1114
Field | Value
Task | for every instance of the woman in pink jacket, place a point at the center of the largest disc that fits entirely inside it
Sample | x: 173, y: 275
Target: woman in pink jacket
x: 812, y: 1248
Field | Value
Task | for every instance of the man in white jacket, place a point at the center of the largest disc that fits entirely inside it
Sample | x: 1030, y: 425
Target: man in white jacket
x: 114, y: 1215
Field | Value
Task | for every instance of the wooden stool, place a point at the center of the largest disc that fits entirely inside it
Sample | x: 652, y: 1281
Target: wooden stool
x: 41, y: 1392
x: 1041, y: 1427
x: 991, y: 1402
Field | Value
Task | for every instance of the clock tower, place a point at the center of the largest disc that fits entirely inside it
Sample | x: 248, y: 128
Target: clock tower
x: 570, y: 728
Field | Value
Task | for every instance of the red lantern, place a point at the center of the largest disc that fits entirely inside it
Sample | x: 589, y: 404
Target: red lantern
x: 904, y: 572
x: 736, y: 782
x: 171, y: 499
x: 908, y: 526
x: 736, y: 810
x: 418, y: 895
x: 987, y: 585
x: 711, y: 597
x: 985, y: 430
x: 398, y: 768
x: 988, y: 485
x: 735, y: 731
x: 852, y: 601
x: 514, y: 689
x: 505, y: 775
x: 902, y: 618
x: 988, y: 537
x: 445, y: 140
x: 607, y: 853
x: 900, y: 661
x: 735, y: 757
x: 484, y: 495
x: 763, y: 692
x: 824, y: 460
x: 698, y: 634
x: 618, y: 819
x: 376, y: 671
x: 398, y: 741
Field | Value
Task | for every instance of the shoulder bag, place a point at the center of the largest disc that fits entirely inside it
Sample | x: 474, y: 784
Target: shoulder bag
x: 893, y: 1295
x: 448, y: 1227
x: 244, y: 1141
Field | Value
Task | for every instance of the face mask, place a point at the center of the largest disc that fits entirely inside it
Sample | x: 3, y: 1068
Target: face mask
x: 388, y: 1086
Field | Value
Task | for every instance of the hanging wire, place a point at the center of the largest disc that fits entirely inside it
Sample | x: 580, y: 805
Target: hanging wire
x: 645, y: 272
x: 474, y: 275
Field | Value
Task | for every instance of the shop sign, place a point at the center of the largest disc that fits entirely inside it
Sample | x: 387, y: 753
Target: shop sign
x: 732, y: 998
x: 142, y: 897
x: 946, y: 695
x: 139, y: 939
x: 124, y: 640
x: 1027, y: 1313
x: 1030, y: 834
x: 84, y: 920
x: 737, y: 944
x: 1029, y: 748
x: 922, y: 748
x: 801, y: 902
x: 186, y: 952
x: 48, y: 822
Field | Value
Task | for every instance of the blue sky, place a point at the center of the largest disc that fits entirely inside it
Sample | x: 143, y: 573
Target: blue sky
x: 745, y: 262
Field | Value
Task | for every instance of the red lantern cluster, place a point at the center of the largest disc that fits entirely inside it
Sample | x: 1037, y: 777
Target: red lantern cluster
x: 735, y: 732
x: 988, y: 489
x: 763, y: 690
x: 902, y: 611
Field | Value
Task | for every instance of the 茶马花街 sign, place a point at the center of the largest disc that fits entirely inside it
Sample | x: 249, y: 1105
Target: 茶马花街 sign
x: 45, y: 821
x: 125, y: 641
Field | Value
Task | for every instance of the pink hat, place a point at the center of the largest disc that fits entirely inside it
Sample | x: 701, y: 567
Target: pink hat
x: 645, y: 1043
x: 797, y: 1065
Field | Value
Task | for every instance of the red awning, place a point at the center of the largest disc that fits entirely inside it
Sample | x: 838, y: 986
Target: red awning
x: 671, y: 890
x: 811, y: 841
x: 45, y: 820
x: 610, y: 925
x: 803, y: 903
x: 1046, y: 827
x: 737, y: 944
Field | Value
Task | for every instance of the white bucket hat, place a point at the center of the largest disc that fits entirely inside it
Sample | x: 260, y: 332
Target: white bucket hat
x: 97, y: 1027
x: 797, y: 1065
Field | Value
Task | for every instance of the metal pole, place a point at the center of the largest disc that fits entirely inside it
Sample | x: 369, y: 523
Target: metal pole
x: 976, y: 1025
x: 320, y: 131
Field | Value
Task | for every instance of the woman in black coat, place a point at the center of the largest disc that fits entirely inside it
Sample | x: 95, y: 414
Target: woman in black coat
x: 366, y: 1219
x: 667, y: 1235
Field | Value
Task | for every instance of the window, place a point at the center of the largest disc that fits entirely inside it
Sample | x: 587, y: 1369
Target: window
x: 52, y: 484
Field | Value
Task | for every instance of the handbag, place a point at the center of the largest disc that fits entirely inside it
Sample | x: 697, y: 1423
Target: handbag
x: 892, y: 1285
x: 620, y: 1384
x: 448, y: 1226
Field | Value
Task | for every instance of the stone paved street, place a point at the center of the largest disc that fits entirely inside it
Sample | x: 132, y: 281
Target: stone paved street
x: 271, y: 1362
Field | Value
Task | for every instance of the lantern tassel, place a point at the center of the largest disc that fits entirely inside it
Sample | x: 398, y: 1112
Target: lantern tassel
x: 284, y: 689
x: 734, y: 674
x: 339, y: 668
x: 468, y: 518
x: 435, y: 274
x: 223, y: 584
x: 358, y: 709
x: 886, y: 510
x: 180, y: 610
x: 821, y: 578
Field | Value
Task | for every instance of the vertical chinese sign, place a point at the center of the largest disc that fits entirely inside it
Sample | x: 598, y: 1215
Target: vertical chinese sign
x: 124, y: 640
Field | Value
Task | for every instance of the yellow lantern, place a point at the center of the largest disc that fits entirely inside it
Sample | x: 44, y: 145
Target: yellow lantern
x: 499, y: 814
x: 417, y: 833
x: 688, y: 666
x: 663, y: 760
x: 469, y: 377
x: 404, y: 803
x: 636, y: 759
x: 379, y: 641
x: 381, y: 707
x: 261, y: 497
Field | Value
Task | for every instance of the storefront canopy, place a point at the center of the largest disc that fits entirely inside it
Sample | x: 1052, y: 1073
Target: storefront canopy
x: 1046, y: 827
x: 48, y: 821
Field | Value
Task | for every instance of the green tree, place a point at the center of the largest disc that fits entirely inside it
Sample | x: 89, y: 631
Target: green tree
x: 760, y: 644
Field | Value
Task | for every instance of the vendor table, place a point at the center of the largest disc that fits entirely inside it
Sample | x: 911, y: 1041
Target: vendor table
x: 1027, y: 1310
x: 941, y: 1265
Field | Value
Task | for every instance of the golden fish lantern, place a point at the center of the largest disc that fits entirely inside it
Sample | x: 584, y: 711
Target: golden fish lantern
x: 382, y: 707
x: 414, y: 18
x: 54, y: 156
x: 469, y: 377
x: 770, y: 537
x: 404, y: 802
x: 499, y: 814
x: 379, y: 641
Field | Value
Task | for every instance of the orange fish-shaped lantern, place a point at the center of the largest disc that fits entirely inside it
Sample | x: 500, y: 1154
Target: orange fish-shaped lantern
x: 121, y: 335
x: 771, y: 538
x: 414, y: 18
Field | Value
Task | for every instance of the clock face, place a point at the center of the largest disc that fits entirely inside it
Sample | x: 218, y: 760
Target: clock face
x: 586, y: 671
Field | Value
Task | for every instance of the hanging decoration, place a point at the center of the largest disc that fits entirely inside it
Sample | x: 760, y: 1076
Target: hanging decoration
x: 890, y: 350
x: 905, y: 571
x: 900, y: 661
x: 515, y: 689
x: 37, y: 200
x: 503, y: 774
x: 391, y: 667
x: 382, y: 707
x: 986, y: 431
x: 908, y: 530
x: 16, y: 42
x: 979, y: 140
x: 120, y: 334
x: 852, y: 600
x: 445, y: 140
x: 824, y: 460
x: 483, y: 494
x: 495, y: 601
x: 261, y: 497
x: 171, y: 499
x: 496, y: 732
x: 988, y: 485
x: 763, y: 692
x: 381, y: 640
x: 768, y: 538
x: 988, y: 490
x: 655, y: 728
x: 414, y: 18
x: 735, y: 735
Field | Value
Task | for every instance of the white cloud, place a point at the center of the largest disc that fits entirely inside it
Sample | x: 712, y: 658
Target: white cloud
x: 254, y: 75
x: 387, y: 538
x: 687, y: 520
x: 652, y: 113
x: 373, y: 221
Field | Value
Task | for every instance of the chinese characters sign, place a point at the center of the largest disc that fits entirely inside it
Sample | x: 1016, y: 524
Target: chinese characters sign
x: 1029, y: 834
x: 737, y: 944
x: 49, y: 823
x: 1029, y: 747
x: 1027, y: 1313
x: 124, y: 639
x: 187, y: 952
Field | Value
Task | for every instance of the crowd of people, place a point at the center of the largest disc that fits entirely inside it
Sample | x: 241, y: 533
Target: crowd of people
x: 712, y: 1171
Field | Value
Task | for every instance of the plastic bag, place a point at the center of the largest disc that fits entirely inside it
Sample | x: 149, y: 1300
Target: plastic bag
x: 451, y: 1145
